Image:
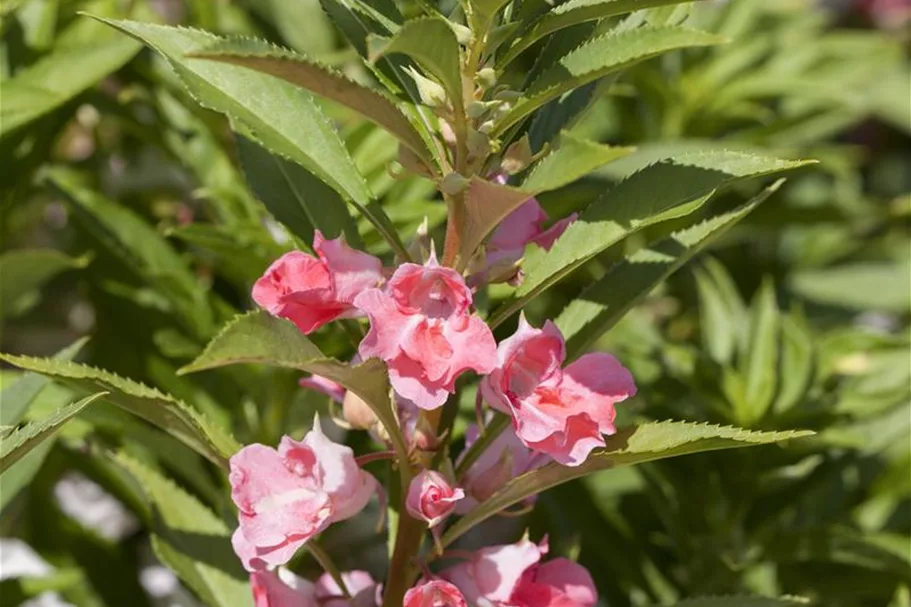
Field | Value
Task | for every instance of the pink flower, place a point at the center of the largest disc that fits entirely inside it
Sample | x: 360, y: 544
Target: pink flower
x: 421, y: 325
x: 435, y: 593
x: 364, y: 591
x: 561, y: 412
x: 513, y: 576
x: 504, y: 459
x: 332, y: 389
x: 287, y: 496
x: 312, y: 292
x: 431, y: 498
x: 520, y: 228
x: 281, y: 588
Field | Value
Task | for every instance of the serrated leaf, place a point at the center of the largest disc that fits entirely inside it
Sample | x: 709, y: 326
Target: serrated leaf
x: 141, y: 247
x: 322, y: 80
x: 601, y: 305
x: 261, y: 102
x: 742, y: 601
x: 600, y: 57
x: 431, y: 42
x: 629, y: 446
x: 572, y: 13
x: 260, y: 338
x: 83, y: 55
x: 486, y: 204
x: 670, y: 188
x: 21, y: 441
x: 760, y: 365
x: 171, y: 415
x: 572, y: 160
x: 191, y: 540
x: 294, y: 195
x: 26, y: 270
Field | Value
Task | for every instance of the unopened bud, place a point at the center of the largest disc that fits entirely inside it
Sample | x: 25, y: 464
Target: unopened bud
x: 486, y: 127
x: 432, y: 94
x: 487, y: 77
x: 421, y: 246
x: 463, y: 34
x: 453, y: 183
x: 518, y: 156
x: 357, y: 412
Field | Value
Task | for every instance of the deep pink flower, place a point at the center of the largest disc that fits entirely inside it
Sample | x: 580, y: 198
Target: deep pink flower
x: 312, y: 292
x: 431, y: 498
x: 513, y: 576
x: 364, y: 591
x: 504, y: 459
x: 561, y: 412
x: 281, y: 588
x: 422, y: 326
x: 435, y: 593
x: 287, y: 496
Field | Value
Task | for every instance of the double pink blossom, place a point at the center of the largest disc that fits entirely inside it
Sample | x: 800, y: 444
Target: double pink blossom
x: 422, y: 326
x: 513, y: 576
x: 312, y: 291
x: 287, y: 496
x: 435, y: 593
x: 431, y: 498
x: 364, y: 591
x: 281, y: 588
x: 561, y: 412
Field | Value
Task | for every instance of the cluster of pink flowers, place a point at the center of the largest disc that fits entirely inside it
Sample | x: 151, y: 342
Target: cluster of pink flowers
x: 423, y: 326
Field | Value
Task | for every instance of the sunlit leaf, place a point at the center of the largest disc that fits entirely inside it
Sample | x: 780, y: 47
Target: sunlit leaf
x: 573, y: 159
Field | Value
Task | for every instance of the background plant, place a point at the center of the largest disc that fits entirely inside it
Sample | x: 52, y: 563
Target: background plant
x: 136, y: 198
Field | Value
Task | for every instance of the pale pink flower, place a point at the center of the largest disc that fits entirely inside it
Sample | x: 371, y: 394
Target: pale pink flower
x: 281, y: 588
x: 287, y: 496
x: 312, y: 292
x: 504, y: 459
x: 434, y: 593
x: 561, y: 412
x: 431, y: 498
x: 513, y: 576
x: 333, y: 390
x: 422, y: 326
x: 364, y: 591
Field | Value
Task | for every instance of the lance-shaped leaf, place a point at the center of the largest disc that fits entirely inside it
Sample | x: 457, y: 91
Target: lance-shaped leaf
x: 190, y: 539
x: 600, y: 57
x: 742, y: 601
x: 431, y: 42
x: 18, y: 443
x: 572, y: 160
x: 572, y: 13
x: 171, y: 415
x: 629, y: 446
x: 283, y: 117
x: 326, y: 82
x: 760, y: 365
x: 600, y: 306
x: 26, y: 270
x: 670, y: 188
x: 260, y: 338
x: 82, y: 55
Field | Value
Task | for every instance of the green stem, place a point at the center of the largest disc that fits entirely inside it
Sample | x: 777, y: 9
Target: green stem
x: 325, y: 561
x: 402, y: 570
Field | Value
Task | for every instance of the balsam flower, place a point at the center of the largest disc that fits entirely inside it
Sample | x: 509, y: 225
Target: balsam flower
x: 281, y: 588
x: 434, y: 593
x: 431, y: 498
x: 288, y: 495
x: 561, y: 412
x: 513, y: 576
x: 364, y: 591
x: 422, y: 326
x: 312, y: 291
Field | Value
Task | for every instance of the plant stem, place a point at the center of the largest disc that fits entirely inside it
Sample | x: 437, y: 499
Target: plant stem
x: 325, y: 561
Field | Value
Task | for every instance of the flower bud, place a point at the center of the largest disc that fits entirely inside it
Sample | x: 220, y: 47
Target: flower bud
x: 431, y: 498
x: 463, y: 34
x: 432, y: 94
x: 453, y: 183
x: 357, y: 412
x: 435, y: 593
x: 518, y: 156
x: 487, y: 77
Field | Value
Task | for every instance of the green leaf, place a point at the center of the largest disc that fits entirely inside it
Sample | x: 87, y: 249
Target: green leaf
x: 431, y: 42
x: 858, y: 286
x: 486, y: 205
x: 21, y: 441
x: 301, y: 71
x: 260, y: 338
x: 572, y: 13
x: 742, y: 601
x: 572, y: 160
x: 721, y: 311
x: 294, y: 195
x: 670, y: 188
x: 761, y: 362
x: 600, y: 306
x: 27, y: 270
x: 795, y: 370
x: 261, y: 102
x: 141, y: 247
x: 174, y: 416
x: 191, y: 540
x: 629, y: 446
x: 83, y: 54
x: 600, y: 57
